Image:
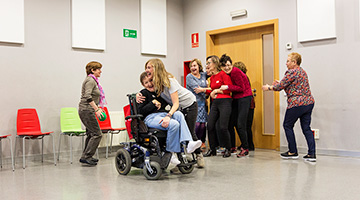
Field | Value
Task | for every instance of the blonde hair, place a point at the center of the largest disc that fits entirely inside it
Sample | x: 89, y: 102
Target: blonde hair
x: 295, y: 57
x: 198, y: 62
x: 216, y: 61
x: 160, y: 75
x: 241, y: 66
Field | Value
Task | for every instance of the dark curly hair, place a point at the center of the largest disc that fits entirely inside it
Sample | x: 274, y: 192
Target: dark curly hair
x: 224, y: 58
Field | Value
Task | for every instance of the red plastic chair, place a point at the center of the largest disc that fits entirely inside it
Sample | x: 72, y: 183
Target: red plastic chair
x: 11, y: 151
x: 127, y: 112
x: 106, y: 128
x: 28, y: 127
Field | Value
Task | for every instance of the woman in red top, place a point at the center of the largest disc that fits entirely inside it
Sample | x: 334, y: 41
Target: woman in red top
x: 220, y: 107
x: 241, y: 94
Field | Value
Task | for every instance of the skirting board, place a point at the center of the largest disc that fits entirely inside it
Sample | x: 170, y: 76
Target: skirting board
x: 327, y: 152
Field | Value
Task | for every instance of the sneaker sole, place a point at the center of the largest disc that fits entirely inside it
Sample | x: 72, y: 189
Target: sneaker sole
x: 291, y: 157
x: 242, y: 156
x: 310, y: 159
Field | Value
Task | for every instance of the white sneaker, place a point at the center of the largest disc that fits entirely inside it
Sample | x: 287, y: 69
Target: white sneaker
x: 174, y: 160
x: 193, y: 145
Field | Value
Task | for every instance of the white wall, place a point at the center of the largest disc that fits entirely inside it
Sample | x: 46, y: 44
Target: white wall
x: 330, y: 64
x: 46, y: 73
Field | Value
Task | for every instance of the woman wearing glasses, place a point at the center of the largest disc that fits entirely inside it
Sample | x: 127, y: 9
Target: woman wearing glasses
x: 241, y: 94
x: 220, y: 108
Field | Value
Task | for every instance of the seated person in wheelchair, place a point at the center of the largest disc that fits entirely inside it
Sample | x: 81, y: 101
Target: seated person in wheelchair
x: 154, y: 109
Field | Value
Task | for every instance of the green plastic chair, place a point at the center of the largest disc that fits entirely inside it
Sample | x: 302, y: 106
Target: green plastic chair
x: 70, y: 126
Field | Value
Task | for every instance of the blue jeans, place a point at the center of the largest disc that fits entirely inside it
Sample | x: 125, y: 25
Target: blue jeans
x: 291, y: 116
x: 177, y: 131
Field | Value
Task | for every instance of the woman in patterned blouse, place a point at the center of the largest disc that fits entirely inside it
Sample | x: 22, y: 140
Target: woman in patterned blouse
x: 300, y: 105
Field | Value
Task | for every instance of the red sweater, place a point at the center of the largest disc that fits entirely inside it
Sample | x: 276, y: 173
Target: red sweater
x: 216, y: 81
x: 241, y: 86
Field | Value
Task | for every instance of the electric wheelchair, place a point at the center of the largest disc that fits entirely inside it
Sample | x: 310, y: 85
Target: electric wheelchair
x: 148, y: 150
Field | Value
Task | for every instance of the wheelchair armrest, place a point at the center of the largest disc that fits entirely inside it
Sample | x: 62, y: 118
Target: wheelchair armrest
x: 134, y: 116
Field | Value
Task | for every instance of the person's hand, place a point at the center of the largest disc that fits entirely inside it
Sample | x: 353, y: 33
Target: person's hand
x: 265, y: 87
x: 156, y: 103
x: 198, y: 90
x: 213, y: 94
x: 165, y: 121
x: 140, y: 98
x: 99, y: 113
x: 275, y: 82
x: 224, y: 87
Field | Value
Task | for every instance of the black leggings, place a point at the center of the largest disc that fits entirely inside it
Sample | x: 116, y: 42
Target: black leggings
x: 220, y: 111
x: 239, y: 117
x: 190, y: 114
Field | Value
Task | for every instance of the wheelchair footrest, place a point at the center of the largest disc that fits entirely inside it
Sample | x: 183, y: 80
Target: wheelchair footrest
x: 187, y: 164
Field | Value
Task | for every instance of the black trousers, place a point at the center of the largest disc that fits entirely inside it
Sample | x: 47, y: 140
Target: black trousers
x: 249, y: 123
x: 239, y: 115
x: 219, y: 112
x: 190, y: 114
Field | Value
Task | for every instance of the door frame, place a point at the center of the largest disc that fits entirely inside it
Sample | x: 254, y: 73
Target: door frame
x: 210, y: 35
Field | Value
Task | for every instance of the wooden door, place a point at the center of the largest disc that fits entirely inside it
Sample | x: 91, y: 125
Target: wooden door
x: 245, y: 43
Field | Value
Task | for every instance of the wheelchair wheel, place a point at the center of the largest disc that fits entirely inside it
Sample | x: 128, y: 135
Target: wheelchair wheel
x: 156, y: 171
x: 123, y: 161
x: 186, y: 169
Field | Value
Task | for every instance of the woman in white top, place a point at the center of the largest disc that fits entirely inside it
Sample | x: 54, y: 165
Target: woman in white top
x: 179, y: 97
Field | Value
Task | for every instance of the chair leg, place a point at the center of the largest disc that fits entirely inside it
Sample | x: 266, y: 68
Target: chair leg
x: 12, y: 155
x: 15, y: 151
x: 23, y: 152
x: 107, y: 145
x: 82, y: 141
x: 53, y: 143
x: 59, y: 147
x: 71, y: 155
x: 42, y: 149
x: 111, y: 142
x: 0, y: 154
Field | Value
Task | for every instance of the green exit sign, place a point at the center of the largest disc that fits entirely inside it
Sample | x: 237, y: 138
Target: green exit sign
x: 130, y: 33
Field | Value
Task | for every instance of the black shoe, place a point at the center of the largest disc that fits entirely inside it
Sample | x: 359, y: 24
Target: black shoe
x: 226, y: 154
x: 87, y: 161
x: 210, y: 153
x: 288, y: 155
x: 243, y: 152
x: 310, y: 158
x: 94, y: 160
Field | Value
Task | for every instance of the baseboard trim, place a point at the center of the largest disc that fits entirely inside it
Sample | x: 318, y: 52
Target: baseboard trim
x: 327, y: 152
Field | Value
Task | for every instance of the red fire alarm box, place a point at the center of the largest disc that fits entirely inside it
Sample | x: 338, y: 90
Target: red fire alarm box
x: 194, y: 40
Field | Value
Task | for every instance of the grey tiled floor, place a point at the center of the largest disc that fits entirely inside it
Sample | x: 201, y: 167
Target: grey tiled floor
x: 262, y: 175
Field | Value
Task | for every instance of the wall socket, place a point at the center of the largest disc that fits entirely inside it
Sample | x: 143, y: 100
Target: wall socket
x: 316, y: 133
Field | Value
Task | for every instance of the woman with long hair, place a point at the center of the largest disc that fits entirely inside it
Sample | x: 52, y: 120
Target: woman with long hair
x: 179, y: 97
